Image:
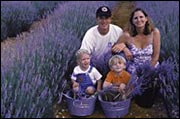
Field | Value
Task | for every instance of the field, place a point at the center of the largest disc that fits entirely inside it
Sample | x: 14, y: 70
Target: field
x: 34, y: 63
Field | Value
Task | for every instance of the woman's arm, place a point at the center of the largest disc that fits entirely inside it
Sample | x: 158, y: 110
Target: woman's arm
x: 156, y: 46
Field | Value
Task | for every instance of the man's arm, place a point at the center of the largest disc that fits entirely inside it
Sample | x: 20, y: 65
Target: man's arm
x: 121, y: 43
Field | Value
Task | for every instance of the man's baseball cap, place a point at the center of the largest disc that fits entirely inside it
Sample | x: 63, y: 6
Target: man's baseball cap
x: 103, y: 11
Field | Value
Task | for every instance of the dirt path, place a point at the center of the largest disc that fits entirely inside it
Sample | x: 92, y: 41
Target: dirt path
x: 12, y: 41
x: 122, y: 12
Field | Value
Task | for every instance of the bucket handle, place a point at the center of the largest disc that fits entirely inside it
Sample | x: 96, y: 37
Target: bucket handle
x: 67, y: 96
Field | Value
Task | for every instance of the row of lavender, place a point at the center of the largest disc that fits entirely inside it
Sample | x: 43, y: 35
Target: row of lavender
x: 165, y: 15
x: 17, y: 16
x: 32, y: 74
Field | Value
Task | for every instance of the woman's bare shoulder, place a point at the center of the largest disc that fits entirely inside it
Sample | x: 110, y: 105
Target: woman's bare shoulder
x: 124, y: 38
x: 126, y: 34
x: 156, y: 31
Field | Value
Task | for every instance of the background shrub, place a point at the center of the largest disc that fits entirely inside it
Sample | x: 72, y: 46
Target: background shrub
x: 17, y: 16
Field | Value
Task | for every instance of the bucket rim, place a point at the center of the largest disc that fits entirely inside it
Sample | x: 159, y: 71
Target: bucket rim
x: 100, y: 99
x: 86, y: 98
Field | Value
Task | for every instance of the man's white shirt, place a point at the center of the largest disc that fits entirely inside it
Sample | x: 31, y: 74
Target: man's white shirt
x: 98, y: 44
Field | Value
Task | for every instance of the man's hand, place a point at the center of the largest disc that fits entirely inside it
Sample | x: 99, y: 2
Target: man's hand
x: 118, y: 47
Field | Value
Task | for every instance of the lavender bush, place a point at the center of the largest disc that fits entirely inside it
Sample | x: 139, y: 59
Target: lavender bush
x: 16, y: 16
x: 44, y: 7
x: 36, y: 60
x: 24, y: 92
x: 169, y: 85
x: 4, y: 28
x: 165, y: 78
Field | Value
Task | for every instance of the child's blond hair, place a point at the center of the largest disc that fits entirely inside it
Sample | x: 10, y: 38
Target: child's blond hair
x: 120, y: 58
x: 81, y: 51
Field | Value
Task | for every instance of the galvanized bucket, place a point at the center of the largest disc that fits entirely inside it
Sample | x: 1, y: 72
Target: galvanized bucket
x: 115, y: 109
x: 80, y: 107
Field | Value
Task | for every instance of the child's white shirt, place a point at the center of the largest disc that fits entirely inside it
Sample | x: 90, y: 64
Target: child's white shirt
x: 94, y: 73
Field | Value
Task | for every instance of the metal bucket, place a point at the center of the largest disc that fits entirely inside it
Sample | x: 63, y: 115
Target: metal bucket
x: 115, y: 109
x: 80, y: 107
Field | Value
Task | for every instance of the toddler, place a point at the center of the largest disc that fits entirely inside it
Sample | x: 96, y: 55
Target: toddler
x: 118, y: 76
x: 84, y: 76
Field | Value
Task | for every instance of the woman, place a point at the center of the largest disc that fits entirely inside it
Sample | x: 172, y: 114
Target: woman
x: 143, y: 45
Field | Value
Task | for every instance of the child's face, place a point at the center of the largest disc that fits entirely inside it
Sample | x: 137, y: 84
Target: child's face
x: 118, y: 66
x: 84, y: 61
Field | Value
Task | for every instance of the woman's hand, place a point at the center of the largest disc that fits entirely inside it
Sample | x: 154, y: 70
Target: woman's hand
x: 128, y: 53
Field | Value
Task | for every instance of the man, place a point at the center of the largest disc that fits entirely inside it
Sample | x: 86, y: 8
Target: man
x: 99, y: 39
